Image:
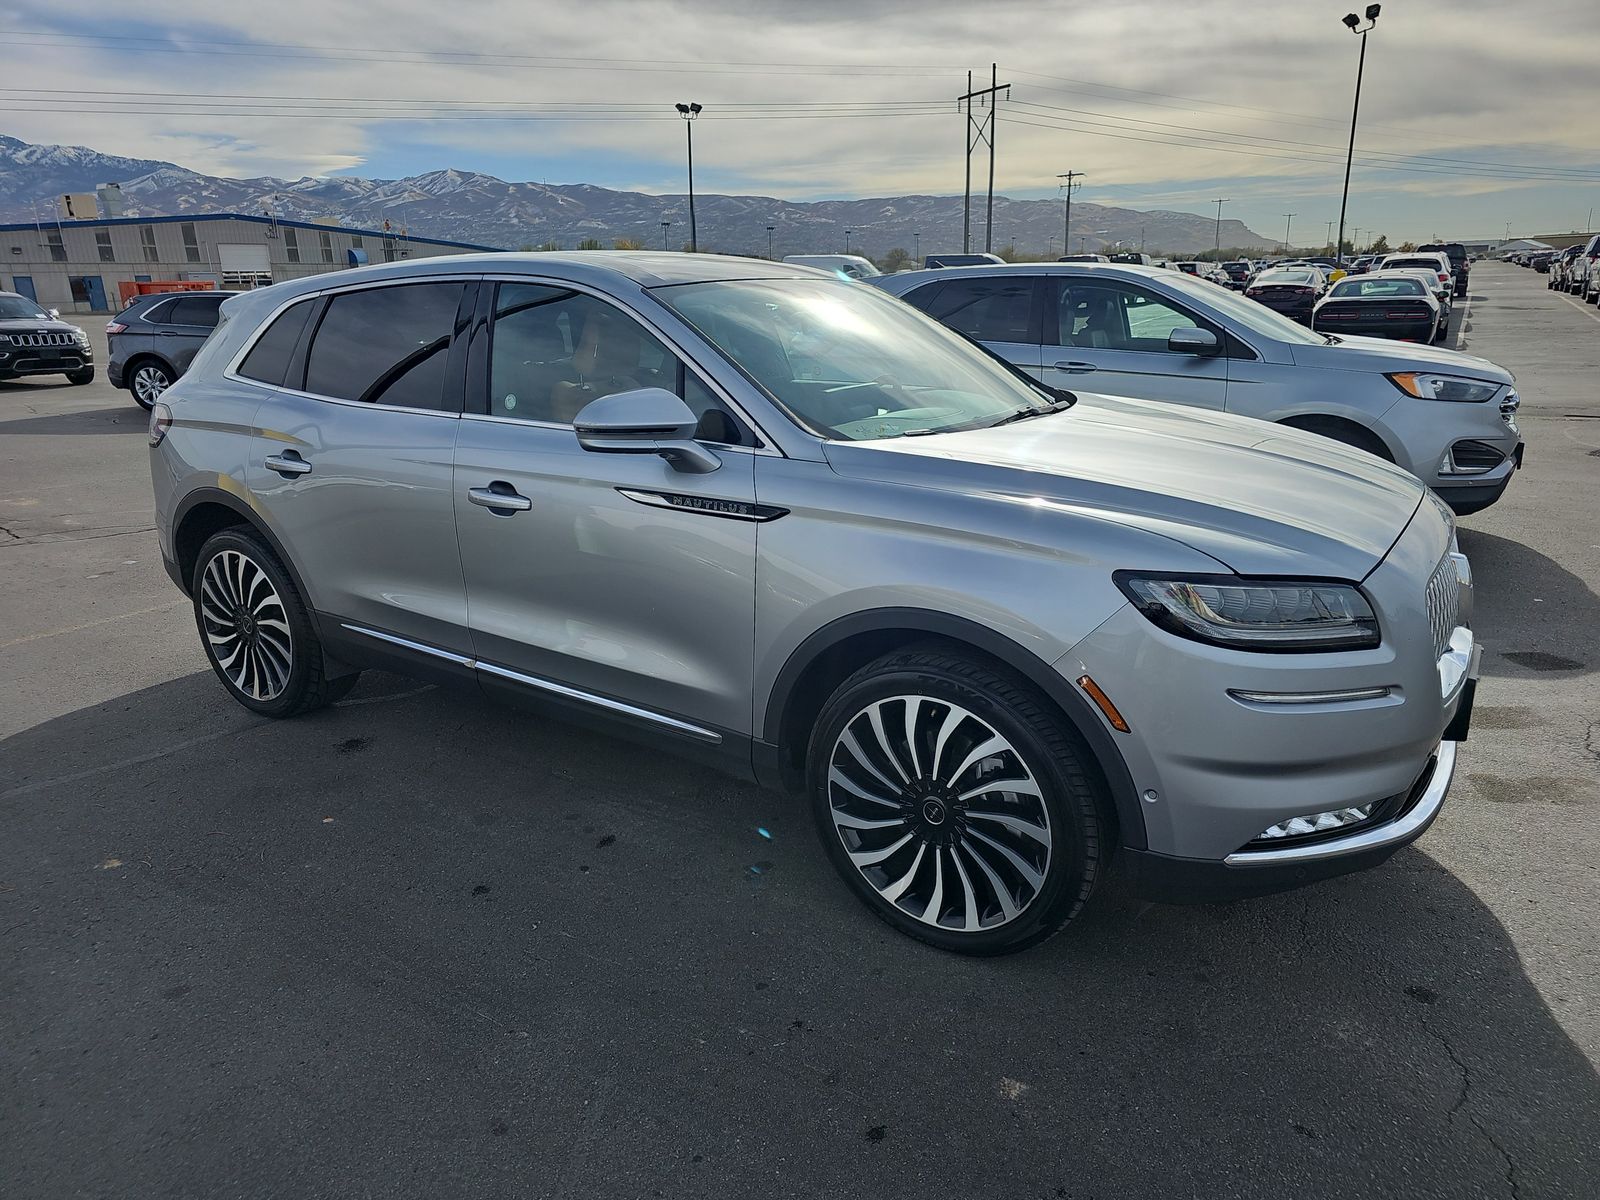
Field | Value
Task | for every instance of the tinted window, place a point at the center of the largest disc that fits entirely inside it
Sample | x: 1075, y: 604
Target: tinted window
x: 1106, y: 316
x: 196, y: 310
x: 1377, y: 287
x: 268, y: 360
x: 989, y: 309
x: 552, y: 351
x: 385, y: 345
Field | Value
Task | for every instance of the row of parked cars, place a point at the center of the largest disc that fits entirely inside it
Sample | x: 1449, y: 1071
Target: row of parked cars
x: 1575, y: 270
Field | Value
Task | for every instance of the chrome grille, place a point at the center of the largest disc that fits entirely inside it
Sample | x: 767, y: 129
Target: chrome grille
x: 43, y: 339
x: 1444, y: 603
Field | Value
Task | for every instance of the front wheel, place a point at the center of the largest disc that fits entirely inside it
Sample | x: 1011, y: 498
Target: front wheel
x: 955, y: 802
x: 256, y: 629
x: 148, y: 380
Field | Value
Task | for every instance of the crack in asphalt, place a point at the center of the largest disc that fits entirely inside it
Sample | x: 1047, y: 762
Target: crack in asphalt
x: 48, y: 539
x: 1462, y: 1096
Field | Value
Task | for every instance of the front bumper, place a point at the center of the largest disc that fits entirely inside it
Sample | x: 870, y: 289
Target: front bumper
x: 18, y: 363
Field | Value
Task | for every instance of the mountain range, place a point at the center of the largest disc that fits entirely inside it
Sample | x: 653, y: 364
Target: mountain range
x: 473, y: 207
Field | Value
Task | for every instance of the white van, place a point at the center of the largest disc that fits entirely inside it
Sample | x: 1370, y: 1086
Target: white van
x: 852, y: 265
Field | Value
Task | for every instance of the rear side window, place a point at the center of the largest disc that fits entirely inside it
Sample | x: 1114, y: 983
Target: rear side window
x: 196, y: 310
x: 988, y: 309
x: 385, y: 345
x: 268, y: 360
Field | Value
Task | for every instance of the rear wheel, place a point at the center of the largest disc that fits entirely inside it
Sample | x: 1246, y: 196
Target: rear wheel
x: 256, y: 629
x: 147, y: 379
x: 955, y: 802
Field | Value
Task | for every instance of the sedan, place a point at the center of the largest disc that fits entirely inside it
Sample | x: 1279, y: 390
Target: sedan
x: 1380, y: 305
x: 1292, y: 291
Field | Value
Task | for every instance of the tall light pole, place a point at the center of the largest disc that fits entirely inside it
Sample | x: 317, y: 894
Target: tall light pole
x: 1221, y: 200
x: 1288, y: 219
x: 1353, y: 23
x: 1355, y: 237
x: 1330, y: 244
x: 916, y: 240
x: 770, y: 228
x: 665, y: 225
x: 689, y: 112
x: 847, y: 233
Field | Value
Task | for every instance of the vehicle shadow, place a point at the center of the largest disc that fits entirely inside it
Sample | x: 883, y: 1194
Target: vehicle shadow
x: 1536, y: 618
x: 421, y: 940
x: 122, y: 418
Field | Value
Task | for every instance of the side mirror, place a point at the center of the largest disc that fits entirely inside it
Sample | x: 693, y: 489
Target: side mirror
x: 55, y: 313
x: 1193, y: 341
x: 644, y: 421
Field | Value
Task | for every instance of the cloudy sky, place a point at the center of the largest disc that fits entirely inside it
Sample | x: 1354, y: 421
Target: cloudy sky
x: 1475, y: 114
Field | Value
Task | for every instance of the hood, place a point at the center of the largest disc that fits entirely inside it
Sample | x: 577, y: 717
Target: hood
x: 1261, y: 499
x: 35, y: 325
x: 1379, y: 354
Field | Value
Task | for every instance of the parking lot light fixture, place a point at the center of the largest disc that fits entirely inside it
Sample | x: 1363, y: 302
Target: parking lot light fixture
x: 1353, y: 23
x: 689, y: 112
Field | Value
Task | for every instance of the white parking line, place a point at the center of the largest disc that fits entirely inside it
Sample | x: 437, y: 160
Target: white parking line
x: 1585, y: 309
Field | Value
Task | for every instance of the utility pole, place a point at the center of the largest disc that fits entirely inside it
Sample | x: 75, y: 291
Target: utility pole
x: 1355, y: 237
x: 665, y: 225
x: 1220, y: 201
x: 1141, y: 239
x: 916, y: 239
x: 1331, y: 246
x: 981, y: 131
x: 1066, y: 213
x: 770, y: 255
x: 1288, y: 219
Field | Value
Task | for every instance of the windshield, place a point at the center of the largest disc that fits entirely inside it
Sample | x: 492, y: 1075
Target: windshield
x: 848, y: 361
x: 20, y: 308
x: 1377, y: 287
x: 1249, y: 313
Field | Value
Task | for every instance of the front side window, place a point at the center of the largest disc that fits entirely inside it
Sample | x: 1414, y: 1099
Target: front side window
x: 847, y: 361
x: 1115, y: 316
x: 385, y: 345
x: 196, y: 310
x: 268, y: 360
x: 552, y: 351
x: 102, y: 244
x: 147, y: 242
x: 993, y: 308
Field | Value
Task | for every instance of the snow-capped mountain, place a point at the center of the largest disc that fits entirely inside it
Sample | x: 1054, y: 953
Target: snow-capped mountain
x: 473, y: 207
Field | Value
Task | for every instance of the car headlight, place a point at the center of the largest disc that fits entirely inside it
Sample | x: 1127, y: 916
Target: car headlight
x: 1266, y: 615
x: 1425, y: 386
x: 81, y: 336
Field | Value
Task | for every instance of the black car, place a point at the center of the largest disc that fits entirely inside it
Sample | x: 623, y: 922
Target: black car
x: 36, y: 342
x: 1292, y: 291
x: 1396, y: 305
x: 1459, y: 264
x: 152, y: 341
x: 1238, y: 271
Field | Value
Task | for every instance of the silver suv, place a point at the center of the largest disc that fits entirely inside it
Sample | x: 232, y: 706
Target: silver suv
x: 1448, y: 418
x: 784, y: 522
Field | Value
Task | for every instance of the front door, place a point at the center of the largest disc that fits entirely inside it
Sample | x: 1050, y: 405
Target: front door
x: 352, y: 458
x: 97, y: 293
x: 613, y: 576
x: 24, y: 286
x: 1111, y: 336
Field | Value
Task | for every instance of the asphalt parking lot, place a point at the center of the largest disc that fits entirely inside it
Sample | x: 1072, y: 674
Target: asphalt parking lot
x: 418, y: 945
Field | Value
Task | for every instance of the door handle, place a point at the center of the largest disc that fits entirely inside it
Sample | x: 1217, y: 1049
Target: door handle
x: 1075, y: 368
x: 166, y: 333
x: 287, y: 464
x: 499, y: 498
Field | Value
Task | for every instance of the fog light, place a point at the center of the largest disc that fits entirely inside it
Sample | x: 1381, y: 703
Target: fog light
x: 1322, y: 822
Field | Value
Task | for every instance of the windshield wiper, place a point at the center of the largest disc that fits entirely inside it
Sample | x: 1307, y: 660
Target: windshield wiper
x: 1022, y: 414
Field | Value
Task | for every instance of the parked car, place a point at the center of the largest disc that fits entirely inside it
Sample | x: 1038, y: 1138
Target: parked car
x: 1137, y: 257
x: 1584, y: 271
x: 1393, y: 305
x: 1448, y: 418
x: 1083, y: 258
x: 1441, y: 290
x: 36, y: 341
x: 852, y: 265
x: 1238, y: 272
x: 1560, y: 269
x: 1438, y: 263
x: 1291, y: 290
x: 1460, y: 266
x: 934, y: 261
x: 996, y: 635
x: 151, y: 342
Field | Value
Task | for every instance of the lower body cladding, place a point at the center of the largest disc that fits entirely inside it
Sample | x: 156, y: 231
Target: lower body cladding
x: 1258, y: 772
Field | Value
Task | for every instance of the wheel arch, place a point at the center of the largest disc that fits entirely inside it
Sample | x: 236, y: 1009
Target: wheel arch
x: 206, y: 511
x: 1342, y: 429
x: 831, y: 654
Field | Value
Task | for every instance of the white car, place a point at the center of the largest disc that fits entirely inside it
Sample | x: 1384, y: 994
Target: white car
x: 852, y: 265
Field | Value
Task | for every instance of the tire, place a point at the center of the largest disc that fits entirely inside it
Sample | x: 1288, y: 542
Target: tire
x: 1346, y: 432
x: 246, y: 604
x: 79, y: 378
x: 147, y: 379
x: 1007, y: 875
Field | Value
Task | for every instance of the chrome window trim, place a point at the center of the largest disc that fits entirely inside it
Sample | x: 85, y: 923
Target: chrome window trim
x: 677, y: 725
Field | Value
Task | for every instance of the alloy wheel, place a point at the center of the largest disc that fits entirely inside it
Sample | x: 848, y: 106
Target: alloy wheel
x: 246, y: 625
x: 149, y: 382
x: 940, y: 813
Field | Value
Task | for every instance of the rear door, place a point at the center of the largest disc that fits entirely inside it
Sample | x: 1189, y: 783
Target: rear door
x: 1107, y: 335
x: 191, y: 320
x: 1001, y: 311
x: 352, y: 456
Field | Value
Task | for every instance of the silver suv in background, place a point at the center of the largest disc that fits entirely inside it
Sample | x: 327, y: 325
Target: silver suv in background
x: 153, y: 340
x: 1448, y: 418
x: 785, y: 523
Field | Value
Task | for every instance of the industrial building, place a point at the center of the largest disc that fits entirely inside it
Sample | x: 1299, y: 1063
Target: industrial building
x: 76, y: 266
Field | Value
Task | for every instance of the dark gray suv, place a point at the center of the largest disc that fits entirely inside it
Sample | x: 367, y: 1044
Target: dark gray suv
x: 152, y: 341
x: 36, y: 342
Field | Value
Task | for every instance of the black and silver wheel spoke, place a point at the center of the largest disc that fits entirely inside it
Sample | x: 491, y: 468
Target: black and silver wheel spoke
x: 246, y: 626
x: 939, y: 812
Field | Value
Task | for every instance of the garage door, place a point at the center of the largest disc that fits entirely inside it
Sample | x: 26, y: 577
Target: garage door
x: 244, y: 265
